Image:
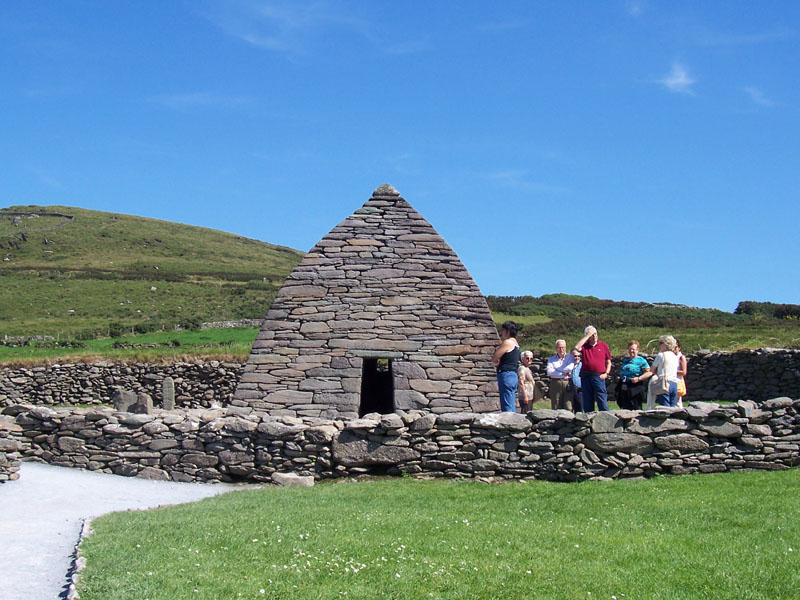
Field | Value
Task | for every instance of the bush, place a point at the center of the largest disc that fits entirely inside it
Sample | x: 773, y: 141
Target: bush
x: 192, y: 323
x: 116, y: 329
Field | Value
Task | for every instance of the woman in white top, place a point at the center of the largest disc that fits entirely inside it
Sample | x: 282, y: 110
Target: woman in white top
x: 665, y: 366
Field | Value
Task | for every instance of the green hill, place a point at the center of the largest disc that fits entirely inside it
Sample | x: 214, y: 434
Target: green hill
x: 545, y: 318
x: 84, y: 273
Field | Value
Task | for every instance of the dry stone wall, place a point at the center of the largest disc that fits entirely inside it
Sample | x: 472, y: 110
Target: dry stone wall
x: 197, y: 384
x: 752, y: 375
x: 756, y: 375
x: 246, y: 445
x: 10, y: 446
x: 748, y: 374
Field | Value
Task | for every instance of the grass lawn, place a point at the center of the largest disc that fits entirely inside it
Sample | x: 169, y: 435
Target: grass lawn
x: 500, y: 318
x: 709, y: 536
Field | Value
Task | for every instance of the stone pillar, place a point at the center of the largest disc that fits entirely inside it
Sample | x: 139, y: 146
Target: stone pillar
x: 168, y: 394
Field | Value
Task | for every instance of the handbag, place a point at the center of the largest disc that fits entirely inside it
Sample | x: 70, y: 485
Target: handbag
x: 661, y: 383
x: 681, y: 387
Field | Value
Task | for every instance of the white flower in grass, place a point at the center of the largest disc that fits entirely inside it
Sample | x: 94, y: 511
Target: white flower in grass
x: 397, y: 575
x: 262, y: 591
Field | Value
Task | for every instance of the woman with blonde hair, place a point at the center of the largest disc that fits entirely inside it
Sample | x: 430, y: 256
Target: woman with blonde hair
x: 663, y: 388
x: 526, y: 382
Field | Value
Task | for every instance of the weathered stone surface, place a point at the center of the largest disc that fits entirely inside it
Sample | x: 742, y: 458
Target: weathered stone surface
x: 619, y: 442
x: 293, y: 480
x: 276, y: 430
x: 721, y: 428
x: 70, y: 444
x: 154, y: 474
x: 352, y: 451
x: 409, y: 399
x: 321, y: 434
x: 427, y: 386
x: 507, y: 421
x: 123, y: 400
x: 645, y: 424
x: 776, y: 403
x: 606, y: 422
x: 683, y: 442
x: 168, y: 394
x: 453, y: 419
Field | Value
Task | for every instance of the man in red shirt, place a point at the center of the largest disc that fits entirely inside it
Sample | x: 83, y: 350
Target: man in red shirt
x: 595, y: 367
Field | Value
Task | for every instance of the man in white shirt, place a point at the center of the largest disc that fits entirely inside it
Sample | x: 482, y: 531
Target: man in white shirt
x: 559, y: 370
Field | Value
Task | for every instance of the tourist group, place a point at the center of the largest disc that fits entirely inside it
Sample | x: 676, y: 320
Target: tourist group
x: 578, y: 379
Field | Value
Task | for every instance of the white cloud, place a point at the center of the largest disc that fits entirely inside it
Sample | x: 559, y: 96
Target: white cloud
x: 758, y: 96
x: 292, y: 28
x: 45, y: 178
x: 635, y: 7
x: 518, y: 179
x: 678, y: 80
x: 714, y: 38
x: 195, y: 100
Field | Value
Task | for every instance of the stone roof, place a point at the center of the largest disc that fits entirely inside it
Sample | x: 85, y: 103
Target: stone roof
x: 383, y: 284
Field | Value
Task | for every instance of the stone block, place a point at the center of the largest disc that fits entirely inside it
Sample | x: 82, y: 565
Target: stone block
x: 123, y: 400
x: 647, y: 425
x: 351, y: 450
x: 629, y: 443
x: 506, y: 421
x: 427, y: 386
x: 409, y: 400
x: 682, y: 442
x: 721, y: 428
x: 293, y: 480
x: 606, y: 422
x: 70, y: 444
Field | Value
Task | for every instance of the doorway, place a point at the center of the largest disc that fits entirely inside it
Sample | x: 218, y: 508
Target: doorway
x: 377, y: 387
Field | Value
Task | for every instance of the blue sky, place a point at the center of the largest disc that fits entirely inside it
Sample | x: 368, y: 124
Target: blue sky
x: 628, y: 150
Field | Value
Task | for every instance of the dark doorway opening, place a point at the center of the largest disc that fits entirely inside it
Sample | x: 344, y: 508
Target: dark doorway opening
x: 377, y: 387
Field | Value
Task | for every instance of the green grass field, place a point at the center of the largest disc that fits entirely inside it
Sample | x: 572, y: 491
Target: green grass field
x: 102, y: 269
x: 727, y: 536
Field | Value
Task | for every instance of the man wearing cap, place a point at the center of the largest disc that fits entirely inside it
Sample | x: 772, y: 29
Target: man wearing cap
x: 595, y: 367
x: 559, y: 369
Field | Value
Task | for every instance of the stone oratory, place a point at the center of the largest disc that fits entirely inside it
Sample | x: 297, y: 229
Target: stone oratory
x: 381, y: 315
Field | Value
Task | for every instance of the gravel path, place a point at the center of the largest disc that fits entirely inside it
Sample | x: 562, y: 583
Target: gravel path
x: 41, y: 514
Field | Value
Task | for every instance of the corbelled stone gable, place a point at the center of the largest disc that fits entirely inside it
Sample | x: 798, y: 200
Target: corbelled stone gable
x: 382, y: 284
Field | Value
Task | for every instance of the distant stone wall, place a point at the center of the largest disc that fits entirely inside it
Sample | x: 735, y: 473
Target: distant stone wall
x: 244, y: 445
x: 749, y: 374
x: 197, y: 384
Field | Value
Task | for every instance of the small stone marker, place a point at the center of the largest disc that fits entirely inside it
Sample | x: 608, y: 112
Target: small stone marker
x: 168, y: 394
x: 144, y: 404
x: 293, y: 480
x: 123, y: 400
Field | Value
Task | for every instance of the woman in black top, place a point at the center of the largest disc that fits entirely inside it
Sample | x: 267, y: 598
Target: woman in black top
x: 506, y: 359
